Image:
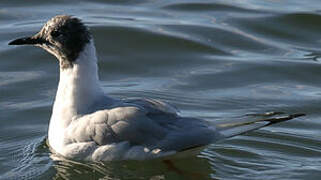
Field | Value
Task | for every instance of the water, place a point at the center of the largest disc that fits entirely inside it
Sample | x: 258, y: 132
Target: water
x: 217, y: 60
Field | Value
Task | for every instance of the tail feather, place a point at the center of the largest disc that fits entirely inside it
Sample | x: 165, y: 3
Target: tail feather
x: 232, y: 129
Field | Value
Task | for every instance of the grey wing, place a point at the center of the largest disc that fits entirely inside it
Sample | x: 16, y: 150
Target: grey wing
x: 149, y: 123
x: 125, y: 123
x: 180, y: 132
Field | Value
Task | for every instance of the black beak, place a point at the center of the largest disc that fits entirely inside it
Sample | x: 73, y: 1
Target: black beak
x: 27, y: 41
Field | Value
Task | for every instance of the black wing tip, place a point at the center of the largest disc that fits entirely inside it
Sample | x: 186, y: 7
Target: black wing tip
x: 284, y: 118
x: 297, y: 115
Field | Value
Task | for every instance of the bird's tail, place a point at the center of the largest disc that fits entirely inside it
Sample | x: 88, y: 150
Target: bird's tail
x: 260, y: 120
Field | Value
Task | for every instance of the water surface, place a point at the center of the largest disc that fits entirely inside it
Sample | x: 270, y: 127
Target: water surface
x: 217, y: 60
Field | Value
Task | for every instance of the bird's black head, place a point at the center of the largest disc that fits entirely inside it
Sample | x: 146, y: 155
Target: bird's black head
x: 63, y: 36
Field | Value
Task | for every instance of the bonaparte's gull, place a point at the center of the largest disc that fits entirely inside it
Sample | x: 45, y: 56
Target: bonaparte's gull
x: 88, y: 125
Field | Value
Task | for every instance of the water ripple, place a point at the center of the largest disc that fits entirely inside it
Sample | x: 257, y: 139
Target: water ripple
x: 217, y: 60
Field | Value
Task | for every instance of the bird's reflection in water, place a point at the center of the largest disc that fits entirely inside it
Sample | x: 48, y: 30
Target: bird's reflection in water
x: 190, y: 167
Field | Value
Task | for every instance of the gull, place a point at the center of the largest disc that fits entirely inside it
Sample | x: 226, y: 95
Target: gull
x: 86, y: 124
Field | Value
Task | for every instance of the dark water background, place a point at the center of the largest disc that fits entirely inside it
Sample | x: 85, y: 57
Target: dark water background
x: 217, y: 60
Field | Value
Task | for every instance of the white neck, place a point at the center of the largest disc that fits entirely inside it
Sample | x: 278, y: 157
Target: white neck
x: 78, y: 87
x: 78, y: 93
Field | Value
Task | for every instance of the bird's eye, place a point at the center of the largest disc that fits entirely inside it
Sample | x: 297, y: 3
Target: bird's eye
x: 55, y: 33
